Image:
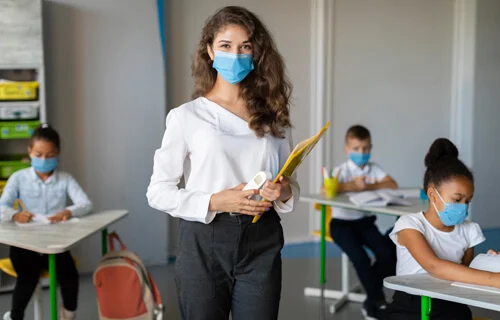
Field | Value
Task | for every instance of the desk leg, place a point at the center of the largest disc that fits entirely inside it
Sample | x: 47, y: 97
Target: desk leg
x: 53, y: 286
x: 426, y: 308
x: 322, y: 265
x: 104, y: 241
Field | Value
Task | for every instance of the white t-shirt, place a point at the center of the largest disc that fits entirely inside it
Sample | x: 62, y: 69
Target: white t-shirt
x: 449, y: 246
x: 348, y: 172
x: 213, y: 149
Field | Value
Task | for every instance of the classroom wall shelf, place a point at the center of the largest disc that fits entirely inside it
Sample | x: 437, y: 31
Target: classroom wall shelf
x: 19, y: 111
x: 18, y: 90
x: 22, y: 89
x: 18, y: 130
x: 27, y: 100
x: 12, y: 163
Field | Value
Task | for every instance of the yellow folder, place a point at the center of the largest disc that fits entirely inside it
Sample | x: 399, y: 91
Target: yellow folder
x: 297, y: 156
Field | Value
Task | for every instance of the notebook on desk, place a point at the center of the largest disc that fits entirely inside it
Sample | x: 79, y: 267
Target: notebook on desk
x: 378, y: 198
x: 483, y: 262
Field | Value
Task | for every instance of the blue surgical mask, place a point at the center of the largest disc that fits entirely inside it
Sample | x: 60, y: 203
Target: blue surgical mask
x: 453, y: 213
x: 232, y: 67
x: 44, y: 165
x: 360, y: 159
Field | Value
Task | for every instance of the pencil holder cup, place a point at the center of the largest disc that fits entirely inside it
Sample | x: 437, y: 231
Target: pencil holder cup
x: 330, y: 187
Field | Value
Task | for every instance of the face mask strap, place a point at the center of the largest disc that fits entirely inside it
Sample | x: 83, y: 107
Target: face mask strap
x: 439, y: 196
x: 435, y: 208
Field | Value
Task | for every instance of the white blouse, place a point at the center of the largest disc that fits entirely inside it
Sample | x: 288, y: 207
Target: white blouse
x: 214, y: 150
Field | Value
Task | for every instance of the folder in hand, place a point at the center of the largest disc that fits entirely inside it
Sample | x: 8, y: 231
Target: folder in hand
x: 297, y: 156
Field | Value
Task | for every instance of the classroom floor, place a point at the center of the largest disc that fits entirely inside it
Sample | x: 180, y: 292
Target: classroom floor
x: 297, y: 273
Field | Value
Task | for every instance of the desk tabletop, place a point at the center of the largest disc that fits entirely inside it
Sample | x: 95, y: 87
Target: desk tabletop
x: 342, y: 201
x: 426, y: 285
x: 58, y: 237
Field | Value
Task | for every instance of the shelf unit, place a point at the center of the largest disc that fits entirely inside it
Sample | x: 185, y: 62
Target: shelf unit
x: 21, y: 55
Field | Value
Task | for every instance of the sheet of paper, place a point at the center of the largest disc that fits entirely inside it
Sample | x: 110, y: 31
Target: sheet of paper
x: 409, y: 193
x: 37, y: 220
x: 393, y: 193
x: 41, y: 220
x: 367, y: 198
x: 486, y: 262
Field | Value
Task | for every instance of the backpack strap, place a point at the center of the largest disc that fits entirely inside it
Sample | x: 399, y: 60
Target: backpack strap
x: 114, y: 236
x: 159, y: 308
x: 156, y: 292
x: 129, y: 255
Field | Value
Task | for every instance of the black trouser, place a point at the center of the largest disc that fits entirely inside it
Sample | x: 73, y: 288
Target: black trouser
x: 28, y: 266
x: 230, y: 265
x: 408, y: 307
x: 352, y: 236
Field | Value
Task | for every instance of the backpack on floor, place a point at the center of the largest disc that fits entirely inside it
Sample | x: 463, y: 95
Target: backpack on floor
x: 125, y: 289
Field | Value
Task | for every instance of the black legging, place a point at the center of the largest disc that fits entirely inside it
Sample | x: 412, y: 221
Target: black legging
x: 28, y: 266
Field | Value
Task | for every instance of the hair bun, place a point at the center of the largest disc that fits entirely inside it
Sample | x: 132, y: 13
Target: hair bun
x: 440, y: 149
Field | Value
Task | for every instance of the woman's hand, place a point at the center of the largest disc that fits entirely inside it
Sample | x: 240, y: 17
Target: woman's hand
x: 236, y: 200
x: 276, y: 191
x: 23, y: 217
x: 61, y: 216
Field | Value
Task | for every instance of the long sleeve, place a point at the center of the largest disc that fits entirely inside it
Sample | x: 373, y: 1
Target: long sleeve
x: 81, y: 202
x: 163, y: 193
x: 290, y: 204
x: 9, y: 195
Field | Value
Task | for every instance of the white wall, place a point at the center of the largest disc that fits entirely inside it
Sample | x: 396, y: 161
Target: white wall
x: 487, y: 114
x: 288, y: 21
x: 106, y: 97
x: 392, y: 73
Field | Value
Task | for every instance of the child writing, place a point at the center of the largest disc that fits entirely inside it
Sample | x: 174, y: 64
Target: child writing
x: 352, y: 230
x: 44, y: 190
x: 440, y: 241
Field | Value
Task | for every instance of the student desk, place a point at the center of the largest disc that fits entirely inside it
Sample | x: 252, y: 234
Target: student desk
x: 428, y: 287
x: 342, y: 201
x: 57, y: 238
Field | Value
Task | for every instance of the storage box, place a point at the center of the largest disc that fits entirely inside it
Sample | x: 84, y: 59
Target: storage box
x: 19, y: 110
x: 12, y: 163
x: 18, y: 91
x: 18, y: 129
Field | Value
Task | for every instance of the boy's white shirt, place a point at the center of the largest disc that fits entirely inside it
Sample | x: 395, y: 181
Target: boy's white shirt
x: 348, y: 172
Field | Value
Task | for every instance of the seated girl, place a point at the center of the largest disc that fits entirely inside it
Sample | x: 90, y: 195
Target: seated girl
x: 440, y: 241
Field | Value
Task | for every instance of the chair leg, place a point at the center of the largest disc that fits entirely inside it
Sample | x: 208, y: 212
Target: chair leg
x: 345, y: 273
x: 38, y: 303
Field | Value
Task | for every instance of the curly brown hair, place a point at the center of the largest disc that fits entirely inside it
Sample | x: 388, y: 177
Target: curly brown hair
x: 267, y: 89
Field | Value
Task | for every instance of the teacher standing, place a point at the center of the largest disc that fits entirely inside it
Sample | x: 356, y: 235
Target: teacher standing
x: 237, y: 125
